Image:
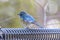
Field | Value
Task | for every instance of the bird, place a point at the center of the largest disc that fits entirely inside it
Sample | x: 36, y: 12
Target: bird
x: 27, y: 18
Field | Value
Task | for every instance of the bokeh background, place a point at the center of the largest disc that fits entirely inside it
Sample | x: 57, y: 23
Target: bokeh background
x: 46, y: 12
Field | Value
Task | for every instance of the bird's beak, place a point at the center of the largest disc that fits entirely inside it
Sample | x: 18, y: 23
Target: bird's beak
x: 17, y: 14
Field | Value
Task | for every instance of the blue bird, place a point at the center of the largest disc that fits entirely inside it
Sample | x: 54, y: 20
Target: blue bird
x: 28, y: 18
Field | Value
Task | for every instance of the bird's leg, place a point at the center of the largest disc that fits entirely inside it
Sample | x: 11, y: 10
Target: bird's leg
x: 22, y: 23
x: 25, y: 25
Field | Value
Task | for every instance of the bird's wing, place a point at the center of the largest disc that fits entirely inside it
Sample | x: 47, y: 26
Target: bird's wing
x: 29, y: 19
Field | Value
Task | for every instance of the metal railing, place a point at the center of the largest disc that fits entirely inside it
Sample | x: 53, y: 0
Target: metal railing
x: 29, y: 34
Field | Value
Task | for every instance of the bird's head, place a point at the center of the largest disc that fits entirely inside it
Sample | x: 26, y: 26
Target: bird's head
x: 22, y: 13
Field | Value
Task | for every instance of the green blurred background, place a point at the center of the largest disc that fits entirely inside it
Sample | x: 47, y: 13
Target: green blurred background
x: 46, y: 12
x: 9, y: 10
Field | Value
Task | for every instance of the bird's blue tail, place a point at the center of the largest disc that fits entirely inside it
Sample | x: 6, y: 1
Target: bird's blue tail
x: 37, y: 24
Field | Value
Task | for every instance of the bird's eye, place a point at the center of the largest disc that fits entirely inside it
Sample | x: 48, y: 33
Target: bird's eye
x: 21, y: 14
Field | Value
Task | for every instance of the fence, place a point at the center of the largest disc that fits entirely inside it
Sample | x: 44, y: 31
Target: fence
x: 29, y: 34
